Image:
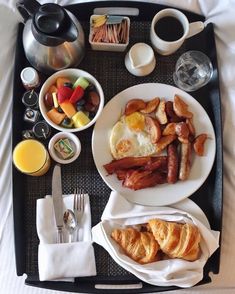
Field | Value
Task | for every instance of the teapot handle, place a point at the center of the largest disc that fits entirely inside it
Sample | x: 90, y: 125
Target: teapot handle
x: 27, y: 8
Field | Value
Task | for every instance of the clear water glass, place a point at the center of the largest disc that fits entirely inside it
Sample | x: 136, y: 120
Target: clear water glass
x: 193, y: 70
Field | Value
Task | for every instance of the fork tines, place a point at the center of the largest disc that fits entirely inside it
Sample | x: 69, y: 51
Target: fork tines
x: 78, y: 201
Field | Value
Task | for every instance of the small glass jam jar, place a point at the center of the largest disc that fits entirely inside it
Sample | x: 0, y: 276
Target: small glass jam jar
x: 42, y: 130
x: 30, y: 99
x: 30, y: 78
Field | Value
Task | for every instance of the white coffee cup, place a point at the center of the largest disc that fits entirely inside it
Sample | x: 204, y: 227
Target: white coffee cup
x: 189, y: 29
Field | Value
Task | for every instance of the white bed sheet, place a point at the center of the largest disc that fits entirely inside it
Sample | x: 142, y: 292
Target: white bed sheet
x: 222, y: 14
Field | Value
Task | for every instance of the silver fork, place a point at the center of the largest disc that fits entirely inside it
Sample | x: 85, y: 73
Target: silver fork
x: 78, y: 207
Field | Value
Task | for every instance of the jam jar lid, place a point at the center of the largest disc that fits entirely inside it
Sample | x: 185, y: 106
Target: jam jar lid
x: 29, y: 77
x: 42, y: 130
x: 30, y: 99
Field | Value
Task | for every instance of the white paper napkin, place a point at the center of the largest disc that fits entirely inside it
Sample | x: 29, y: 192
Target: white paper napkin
x: 172, y: 272
x: 66, y: 260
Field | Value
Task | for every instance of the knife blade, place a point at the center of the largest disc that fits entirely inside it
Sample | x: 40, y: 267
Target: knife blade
x: 58, y: 201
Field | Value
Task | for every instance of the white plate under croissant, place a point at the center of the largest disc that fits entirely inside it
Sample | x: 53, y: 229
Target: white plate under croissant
x: 171, y: 269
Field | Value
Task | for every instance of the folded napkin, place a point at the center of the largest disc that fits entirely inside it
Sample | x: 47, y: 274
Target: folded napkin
x: 119, y: 213
x: 66, y: 260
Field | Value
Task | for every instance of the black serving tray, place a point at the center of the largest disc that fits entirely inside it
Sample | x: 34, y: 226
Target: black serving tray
x: 109, y: 69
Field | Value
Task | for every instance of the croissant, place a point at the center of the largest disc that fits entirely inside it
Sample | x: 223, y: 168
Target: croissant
x: 175, y: 239
x: 140, y: 246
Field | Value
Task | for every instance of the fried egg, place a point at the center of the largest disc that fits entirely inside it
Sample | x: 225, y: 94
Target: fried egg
x: 129, y: 138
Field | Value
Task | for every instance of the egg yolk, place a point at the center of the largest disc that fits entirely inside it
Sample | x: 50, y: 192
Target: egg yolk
x: 135, y: 121
x: 123, y: 146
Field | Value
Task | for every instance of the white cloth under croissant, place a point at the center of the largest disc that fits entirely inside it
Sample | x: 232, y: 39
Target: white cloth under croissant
x: 66, y: 260
x: 120, y: 213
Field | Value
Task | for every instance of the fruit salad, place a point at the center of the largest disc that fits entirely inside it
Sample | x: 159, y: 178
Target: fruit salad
x: 71, y: 103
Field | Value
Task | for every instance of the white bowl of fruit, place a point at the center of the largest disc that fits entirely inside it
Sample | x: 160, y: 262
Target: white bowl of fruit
x: 71, y: 100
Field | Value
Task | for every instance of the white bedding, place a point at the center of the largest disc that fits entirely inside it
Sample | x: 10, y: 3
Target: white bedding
x: 222, y: 14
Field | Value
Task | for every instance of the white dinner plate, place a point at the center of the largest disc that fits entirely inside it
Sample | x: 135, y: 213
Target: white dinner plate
x: 165, y: 194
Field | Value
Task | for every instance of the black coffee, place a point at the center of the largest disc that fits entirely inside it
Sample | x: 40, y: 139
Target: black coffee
x: 169, y: 28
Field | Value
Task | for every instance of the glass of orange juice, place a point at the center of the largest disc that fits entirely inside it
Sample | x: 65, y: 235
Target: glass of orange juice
x: 31, y: 157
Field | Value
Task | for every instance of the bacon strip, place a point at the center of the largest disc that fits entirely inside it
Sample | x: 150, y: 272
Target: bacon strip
x: 143, y: 179
x: 158, y: 163
x: 127, y: 162
x: 123, y: 173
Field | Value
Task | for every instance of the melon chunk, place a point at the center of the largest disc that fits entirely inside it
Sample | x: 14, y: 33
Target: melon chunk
x: 68, y: 108
x: 55, y: 116
x: 80, y: 119
x: 52, y: 89
x: 61, y: 81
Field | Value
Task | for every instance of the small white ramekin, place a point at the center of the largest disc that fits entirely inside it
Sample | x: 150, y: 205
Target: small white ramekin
x: 76, y: 144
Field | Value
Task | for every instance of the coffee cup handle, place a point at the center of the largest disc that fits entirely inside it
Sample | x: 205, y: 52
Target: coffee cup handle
x: 195, y: 28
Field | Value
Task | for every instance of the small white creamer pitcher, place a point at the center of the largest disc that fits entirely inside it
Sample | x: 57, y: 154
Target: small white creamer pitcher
x: 140, y: 60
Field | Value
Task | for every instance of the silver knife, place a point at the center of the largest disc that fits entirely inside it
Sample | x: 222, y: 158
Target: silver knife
x: 58, y: 201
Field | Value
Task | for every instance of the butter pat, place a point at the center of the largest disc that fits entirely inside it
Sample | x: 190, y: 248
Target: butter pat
x: 64, y: 148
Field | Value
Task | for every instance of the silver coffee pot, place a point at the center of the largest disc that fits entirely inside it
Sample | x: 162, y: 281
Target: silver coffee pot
x: 53, y: 39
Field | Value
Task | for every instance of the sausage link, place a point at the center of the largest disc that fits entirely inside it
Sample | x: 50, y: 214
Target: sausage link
x: 172, y: 164
x: 185, y: 161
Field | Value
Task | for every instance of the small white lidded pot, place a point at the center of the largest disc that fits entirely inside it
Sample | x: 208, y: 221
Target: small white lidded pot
x: 162, y: 25
x: 30, y: 78
x: 140, y: 60
x: 74, y: 143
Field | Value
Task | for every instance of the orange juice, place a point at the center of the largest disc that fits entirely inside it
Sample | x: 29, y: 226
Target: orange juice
x: 31, y: 157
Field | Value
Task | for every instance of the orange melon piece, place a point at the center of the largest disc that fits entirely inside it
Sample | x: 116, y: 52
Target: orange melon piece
x: 55, y: 116
x: 60, y: 81
x: 68, y: 108
x: 52, y: 89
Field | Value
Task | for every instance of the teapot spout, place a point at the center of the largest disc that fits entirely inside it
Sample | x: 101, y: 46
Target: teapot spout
x: 27, y: 8
x: 71, y: 33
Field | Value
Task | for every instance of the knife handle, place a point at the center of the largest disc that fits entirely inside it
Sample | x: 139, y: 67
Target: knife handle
x: 59, y: 236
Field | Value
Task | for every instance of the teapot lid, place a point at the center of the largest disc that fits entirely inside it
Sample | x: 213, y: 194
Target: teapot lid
x: 52, y: 26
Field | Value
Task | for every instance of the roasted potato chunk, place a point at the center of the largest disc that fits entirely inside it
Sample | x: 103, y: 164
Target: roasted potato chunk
x: 164, y: 142
x: 182, y: 132
x: 189, y: 122
x: 161, y: 113
x: 151, y: 106
x: 181, y: 108
x: 134, y: 105
x: 198, y: 144
x: 153, y: 128
x: 169, y: 129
